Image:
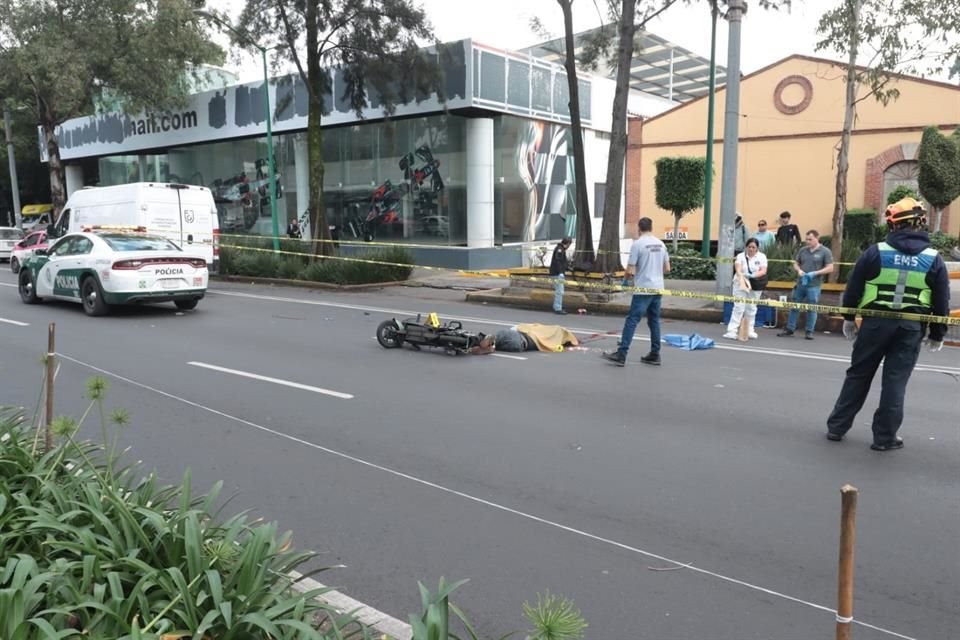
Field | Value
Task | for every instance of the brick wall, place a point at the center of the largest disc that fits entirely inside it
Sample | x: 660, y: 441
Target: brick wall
x: 633, y: 175
x: 873, y: 187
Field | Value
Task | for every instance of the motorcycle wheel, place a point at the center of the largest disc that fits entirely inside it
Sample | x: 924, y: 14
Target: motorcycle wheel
x: 388, y: 335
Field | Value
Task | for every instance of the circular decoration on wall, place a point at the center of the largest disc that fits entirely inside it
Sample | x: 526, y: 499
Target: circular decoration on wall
x: 785, y: 95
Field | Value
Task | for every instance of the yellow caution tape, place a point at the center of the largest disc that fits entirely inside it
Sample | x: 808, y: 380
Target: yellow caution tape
x: 673, y: 293
x: 516, y: 247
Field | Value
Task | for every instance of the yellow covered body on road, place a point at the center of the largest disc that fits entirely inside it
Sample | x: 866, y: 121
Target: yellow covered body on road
x: 549, y: 337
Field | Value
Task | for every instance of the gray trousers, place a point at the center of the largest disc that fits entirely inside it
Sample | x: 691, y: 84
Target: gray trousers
x: 897, y: 344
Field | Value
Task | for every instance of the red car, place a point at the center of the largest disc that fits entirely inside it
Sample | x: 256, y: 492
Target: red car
x: 26, y: 247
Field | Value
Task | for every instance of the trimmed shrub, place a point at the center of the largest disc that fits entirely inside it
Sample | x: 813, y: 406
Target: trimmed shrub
x: 943, y: 242
x: 900, y: 192
x: 858, y: 227
x: 365, y: 266
x: 780, y: 262
x: 686, y: 263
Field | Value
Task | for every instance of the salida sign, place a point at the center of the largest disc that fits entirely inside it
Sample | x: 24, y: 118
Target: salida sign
x: 681, y: 233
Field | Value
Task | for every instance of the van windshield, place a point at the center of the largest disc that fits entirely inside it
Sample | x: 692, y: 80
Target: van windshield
x: 11, y: 234
x: 119, y: 242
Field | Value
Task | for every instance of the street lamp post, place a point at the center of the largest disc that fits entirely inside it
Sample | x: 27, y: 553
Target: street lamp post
x: 266, y: 103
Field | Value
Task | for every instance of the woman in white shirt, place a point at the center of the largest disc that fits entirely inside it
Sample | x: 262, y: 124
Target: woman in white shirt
x: 749, y: 279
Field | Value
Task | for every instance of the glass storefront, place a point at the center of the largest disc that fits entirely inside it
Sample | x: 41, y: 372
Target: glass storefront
x: 535, y: 190
x: 398, y: 180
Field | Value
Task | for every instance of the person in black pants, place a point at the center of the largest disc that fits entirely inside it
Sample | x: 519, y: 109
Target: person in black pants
x: 901, y: 274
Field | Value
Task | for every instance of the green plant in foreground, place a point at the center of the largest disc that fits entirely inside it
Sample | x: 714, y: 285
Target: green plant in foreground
x: 554, y: 618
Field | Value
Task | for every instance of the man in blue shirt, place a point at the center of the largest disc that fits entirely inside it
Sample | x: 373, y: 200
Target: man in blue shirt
x: 648, y: 262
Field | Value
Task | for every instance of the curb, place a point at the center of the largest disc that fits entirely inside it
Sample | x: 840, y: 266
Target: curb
x: 372, y: 618
x: 304, y: 284
x: 494, y: 296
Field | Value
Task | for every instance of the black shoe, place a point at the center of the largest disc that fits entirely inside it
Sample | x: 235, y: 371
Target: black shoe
x: 785, y: 333
x: 615, y: 357
x: 834, y: 437
x: 896, y: 443
x: 561, y: 312
x: 808, y: 335
x: 651, y: 358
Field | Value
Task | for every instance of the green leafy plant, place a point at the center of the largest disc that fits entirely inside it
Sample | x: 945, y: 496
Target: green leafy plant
x: 686, y: 263
x: 554, y: 618
x: 859, y: 226
x: 92, y: 548
x: 939, y: 172
x: 900, y: 192
x: 943, y: 242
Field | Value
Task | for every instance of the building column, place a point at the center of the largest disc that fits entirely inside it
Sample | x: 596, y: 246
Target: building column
x: 480, y: 210
x: 301, y: 166
x: 73, y: 173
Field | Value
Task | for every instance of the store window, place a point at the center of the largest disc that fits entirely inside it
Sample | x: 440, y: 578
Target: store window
x: 534, y: 186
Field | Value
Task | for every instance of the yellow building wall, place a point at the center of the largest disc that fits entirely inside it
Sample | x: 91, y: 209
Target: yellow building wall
x: 787, y: 162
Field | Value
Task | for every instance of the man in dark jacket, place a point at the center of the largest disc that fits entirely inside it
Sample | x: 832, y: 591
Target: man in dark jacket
x: 901, y: 274
x: 559, y: 266
x: 787, y: 233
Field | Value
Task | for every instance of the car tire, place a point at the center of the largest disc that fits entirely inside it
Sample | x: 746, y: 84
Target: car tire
x: 25, y: 285
x: 186, y: 305
x: 14, y: 265
x: 91, y: 294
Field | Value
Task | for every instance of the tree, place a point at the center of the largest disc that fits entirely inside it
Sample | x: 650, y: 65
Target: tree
x: 56, y: 58
x: 939, y: 159
x: 375, y: 44
x: 911, y: 37
x: 680, y: 188
x: 899, y: 193
x: 583, y: 257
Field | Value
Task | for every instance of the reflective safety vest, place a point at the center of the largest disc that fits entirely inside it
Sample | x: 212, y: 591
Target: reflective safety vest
x: 902, y: 282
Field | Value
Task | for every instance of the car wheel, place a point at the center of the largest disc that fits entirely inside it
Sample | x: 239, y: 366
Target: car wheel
x: 27, y: 291
x: 388, y: 335
x: 14, y: 265
x: 186, y: 305
x: 92, y: 296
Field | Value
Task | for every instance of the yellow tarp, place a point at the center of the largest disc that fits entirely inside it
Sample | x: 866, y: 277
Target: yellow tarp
x: 549, y: 337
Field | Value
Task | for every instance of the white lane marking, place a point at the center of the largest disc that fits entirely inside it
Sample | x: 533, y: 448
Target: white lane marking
x: 590, y: 332
x: 504, y: 355
x: 7, y: 284
x: 285, y: 383
x: 15, y: 323
x: 482, y: 501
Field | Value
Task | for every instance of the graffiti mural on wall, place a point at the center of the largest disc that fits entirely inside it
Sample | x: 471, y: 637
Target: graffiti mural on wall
x: 544, y: 160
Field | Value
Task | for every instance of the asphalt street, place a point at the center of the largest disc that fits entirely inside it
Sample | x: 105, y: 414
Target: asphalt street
x: 699, y: 499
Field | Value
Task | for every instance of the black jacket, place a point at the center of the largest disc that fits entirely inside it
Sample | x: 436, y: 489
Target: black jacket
x: 910, y: 242
x: 788, y: 234
x: 558, y: 264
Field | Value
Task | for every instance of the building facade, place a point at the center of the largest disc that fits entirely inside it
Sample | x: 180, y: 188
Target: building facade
x: 480, y: 175
x: 791, y: 118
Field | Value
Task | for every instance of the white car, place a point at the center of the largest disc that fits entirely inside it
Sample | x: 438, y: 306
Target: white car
x: 9, y: 237
x: 101, y: 268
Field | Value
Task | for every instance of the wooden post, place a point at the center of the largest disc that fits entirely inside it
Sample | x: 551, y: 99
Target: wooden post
x: 51, y: 371
x: 848, y: 536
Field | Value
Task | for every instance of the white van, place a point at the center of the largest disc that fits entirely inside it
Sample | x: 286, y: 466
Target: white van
x: 184, y: 214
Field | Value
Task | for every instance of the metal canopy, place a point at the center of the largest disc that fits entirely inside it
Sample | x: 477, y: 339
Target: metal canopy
x: 659, y: 67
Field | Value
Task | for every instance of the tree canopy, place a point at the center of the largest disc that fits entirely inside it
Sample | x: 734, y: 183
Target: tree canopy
x: 679, y: 187
x: 57, y: 58
x: 939, y: 178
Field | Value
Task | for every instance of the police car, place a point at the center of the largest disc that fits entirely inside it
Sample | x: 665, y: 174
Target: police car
x: 100, y: 267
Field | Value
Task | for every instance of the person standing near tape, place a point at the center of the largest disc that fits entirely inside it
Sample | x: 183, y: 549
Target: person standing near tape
x: 904, y: 274
x: 749, y: 282
x: 648, y: 262
x: 558, y: 267
x: 813, y: 261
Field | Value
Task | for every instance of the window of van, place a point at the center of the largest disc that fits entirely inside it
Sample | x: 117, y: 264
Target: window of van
x: 10, y: 234
x: 119, y: 242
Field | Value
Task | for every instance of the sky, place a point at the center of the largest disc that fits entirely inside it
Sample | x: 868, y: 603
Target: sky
x: 767, y: 36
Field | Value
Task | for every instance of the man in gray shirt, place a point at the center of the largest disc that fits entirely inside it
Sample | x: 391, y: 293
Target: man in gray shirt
x: 648, y: 262
x: 813, y: 262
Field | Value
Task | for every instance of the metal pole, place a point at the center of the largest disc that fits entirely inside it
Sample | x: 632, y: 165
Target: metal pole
x: 711, y: 101
x: 731, y: 135
x: 273, y: 171
x: 12, y: 161
x: 848, y: 537
x: 51, y: 374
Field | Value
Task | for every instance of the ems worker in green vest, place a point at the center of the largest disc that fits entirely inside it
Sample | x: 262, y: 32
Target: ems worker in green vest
x: 901, y: 274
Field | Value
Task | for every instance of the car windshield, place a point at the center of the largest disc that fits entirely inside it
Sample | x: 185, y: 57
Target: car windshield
x: 10, y: 234
x: 119, y: 242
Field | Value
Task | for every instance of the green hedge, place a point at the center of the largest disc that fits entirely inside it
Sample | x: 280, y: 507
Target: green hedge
x: 686, y: 263
x: 859, y: 227
x: 253, y: 257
